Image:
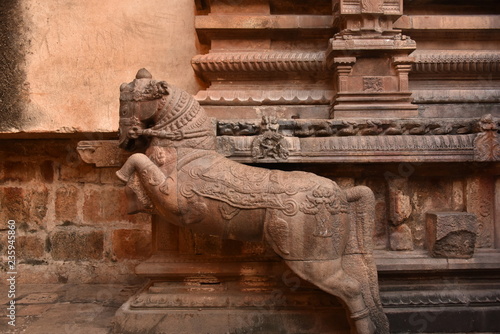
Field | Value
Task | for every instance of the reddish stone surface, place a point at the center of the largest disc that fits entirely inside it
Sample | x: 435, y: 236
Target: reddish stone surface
x: 39, y: 201
x: 75, y: 170
x: 76, y: 245
x: 14, y: 204
x: 108, y: 176
x: 132, y: 244
x: 47, y: 171
x: 19, y: 171
x: 30, y: 248
x: 104, y: 204
x: 480, y: 201
x: 66, y: 203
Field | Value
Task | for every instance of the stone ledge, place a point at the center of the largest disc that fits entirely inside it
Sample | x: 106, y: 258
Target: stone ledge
x: 412, y: 261
x: 387, y: 262
x: 260, y: 22
x: 262, y: 26
x: 447, y: 22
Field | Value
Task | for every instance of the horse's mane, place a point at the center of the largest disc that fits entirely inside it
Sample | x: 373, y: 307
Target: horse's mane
x: 180, y: 112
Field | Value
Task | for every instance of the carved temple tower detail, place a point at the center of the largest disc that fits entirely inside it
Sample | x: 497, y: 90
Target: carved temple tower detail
x: 370, y: 60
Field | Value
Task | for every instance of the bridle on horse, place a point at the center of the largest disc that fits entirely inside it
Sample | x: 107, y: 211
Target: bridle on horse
x: 178, y: 135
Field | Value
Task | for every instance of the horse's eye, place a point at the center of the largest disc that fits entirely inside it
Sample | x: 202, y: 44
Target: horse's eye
x: 124, y: 110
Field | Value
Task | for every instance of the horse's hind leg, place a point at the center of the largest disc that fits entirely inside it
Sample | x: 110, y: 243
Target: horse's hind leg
x: 329, y: 276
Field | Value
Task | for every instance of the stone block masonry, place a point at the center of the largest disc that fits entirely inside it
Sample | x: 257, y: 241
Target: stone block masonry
x: 71, y: 217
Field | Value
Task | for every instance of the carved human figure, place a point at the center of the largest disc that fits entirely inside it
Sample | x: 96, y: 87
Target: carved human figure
x: 323, y: 233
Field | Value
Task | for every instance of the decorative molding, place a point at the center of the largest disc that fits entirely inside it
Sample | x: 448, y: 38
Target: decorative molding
x: 342, y: 128
x: 456, y: 96
x: 270, y: 143
x: 359, y: 149
x: 487, y: 143
x: 265, y: 61
x: 264, y: 97
x: 453, y: 61
x: 463, y: 297
x: 387, y: 7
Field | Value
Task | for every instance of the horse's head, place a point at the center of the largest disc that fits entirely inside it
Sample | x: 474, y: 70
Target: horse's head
x: 139, y: 102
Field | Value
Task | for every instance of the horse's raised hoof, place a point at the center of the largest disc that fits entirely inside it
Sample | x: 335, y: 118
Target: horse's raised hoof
x: 122, y: 176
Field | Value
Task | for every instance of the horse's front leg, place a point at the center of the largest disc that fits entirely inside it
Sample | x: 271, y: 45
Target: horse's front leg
x: 137, y: 162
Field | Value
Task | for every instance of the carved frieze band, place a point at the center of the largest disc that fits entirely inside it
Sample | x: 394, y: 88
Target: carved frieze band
x: 461, y: 61
x: 264, y: 97
x: 361, y: 149
x: 265, y: 61
x: 342, y: 128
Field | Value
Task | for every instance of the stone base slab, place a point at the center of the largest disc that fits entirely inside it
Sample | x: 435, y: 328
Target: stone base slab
x: 229, y: 307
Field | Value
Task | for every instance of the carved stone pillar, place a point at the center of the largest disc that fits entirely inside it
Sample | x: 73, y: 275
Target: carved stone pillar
x: 377, y: 85
x: 343, y: 67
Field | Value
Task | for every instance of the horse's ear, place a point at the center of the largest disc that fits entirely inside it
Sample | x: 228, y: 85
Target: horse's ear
x: 162, y: 87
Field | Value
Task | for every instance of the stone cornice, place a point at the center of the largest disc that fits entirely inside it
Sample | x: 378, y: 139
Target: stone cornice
x: 456, y: 61
x: 258, y: 62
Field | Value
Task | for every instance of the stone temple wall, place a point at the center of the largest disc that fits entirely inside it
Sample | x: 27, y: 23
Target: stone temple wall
x: 73, y: 224
x: 403, y: 115
x: 71, y: 217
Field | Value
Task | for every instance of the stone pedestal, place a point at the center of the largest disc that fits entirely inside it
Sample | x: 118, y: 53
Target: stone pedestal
x: 205, y: 304
x: 229, y: 297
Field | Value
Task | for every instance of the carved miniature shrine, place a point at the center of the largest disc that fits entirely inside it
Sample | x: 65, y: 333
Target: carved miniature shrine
x: 393, y: 104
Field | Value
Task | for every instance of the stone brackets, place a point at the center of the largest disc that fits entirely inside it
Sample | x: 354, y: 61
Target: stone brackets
x: 102, y: 153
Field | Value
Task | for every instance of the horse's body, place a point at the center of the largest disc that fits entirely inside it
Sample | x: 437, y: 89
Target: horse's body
x: 322, y: 232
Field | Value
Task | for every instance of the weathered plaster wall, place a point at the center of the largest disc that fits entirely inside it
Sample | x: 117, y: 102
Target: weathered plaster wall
x: 67, y: 58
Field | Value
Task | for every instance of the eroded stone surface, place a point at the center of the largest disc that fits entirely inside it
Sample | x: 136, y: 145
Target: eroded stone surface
x: 451, y: 234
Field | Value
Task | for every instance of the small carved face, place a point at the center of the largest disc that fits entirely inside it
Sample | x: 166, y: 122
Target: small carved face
x: 139, y: 102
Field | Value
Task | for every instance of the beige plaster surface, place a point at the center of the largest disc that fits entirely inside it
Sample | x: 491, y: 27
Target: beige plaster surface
x: 81, y: 51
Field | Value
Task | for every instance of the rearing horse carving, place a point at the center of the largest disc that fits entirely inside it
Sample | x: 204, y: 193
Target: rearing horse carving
x: 323, y: 233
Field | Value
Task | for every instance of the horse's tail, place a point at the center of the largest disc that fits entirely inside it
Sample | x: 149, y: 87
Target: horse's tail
x: 358, y: 259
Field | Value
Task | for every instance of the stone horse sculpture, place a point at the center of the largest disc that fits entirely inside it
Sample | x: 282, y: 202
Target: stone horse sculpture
x: 323, y: 233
